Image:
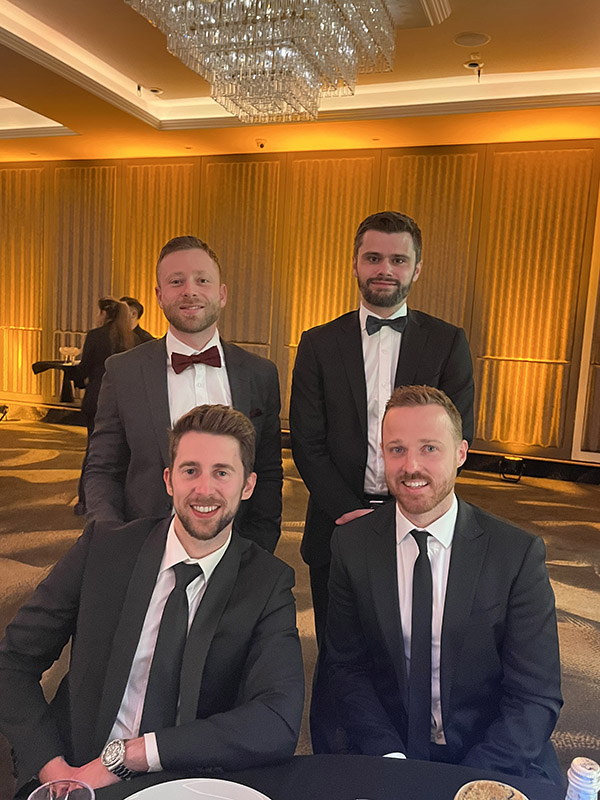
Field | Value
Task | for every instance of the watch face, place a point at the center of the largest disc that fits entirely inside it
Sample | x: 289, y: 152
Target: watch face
x: 113, y: 753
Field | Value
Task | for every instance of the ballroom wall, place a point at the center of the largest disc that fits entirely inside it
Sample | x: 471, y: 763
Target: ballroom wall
x: 509, y: 232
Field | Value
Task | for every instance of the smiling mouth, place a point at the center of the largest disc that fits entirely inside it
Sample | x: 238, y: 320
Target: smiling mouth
x: 415, y: 483
x: 204, y: 510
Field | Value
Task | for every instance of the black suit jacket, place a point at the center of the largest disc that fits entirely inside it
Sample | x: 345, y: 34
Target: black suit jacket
x: 130, y: 447
x: 97, y: 347
x: 328, y: 412
x: 500, y: 670
x: 242, y: 677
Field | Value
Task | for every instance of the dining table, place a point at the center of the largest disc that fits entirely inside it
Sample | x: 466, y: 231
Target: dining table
x: 349, y: 777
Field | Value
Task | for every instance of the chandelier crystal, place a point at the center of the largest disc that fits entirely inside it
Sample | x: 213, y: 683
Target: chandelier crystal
x: 272, y: 60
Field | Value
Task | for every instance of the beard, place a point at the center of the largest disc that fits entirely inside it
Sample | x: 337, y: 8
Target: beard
x: 206, y: 529
x: 381, y: 297
x: 196, y: 324
x: 427, y: 500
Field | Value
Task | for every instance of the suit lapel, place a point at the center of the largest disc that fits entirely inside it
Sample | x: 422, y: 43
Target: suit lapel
x: 129, y: 628
x: 469, y: 547
x: 154, y: 376
x: 413, y: 342
x: 383, y: 578
x: 204, y: 625
x: 350, y: 348
x: 239, y: 380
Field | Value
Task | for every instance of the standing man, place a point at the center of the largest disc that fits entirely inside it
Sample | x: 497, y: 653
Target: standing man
x: 441, y: 632
x: 136, y: 309
x: 144, y: 394
x: 185, y: 654
x: 344, y: 375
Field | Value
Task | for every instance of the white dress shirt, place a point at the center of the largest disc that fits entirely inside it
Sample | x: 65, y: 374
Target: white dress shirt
x: 380, y: 355
x: 439, y: 548
x: 199, y: 383
x: 129, y: 717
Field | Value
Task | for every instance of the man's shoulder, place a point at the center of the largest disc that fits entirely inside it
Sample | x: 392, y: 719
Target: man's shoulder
x: 236, y: 354
x: 255, y: 557
x: 421, y: 318
x: 503, y: 532
x: 333, y: 326
x: 110, y: 534
x: 154, y: 348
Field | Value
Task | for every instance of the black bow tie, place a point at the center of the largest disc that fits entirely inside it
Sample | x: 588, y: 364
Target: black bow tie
x: 375, y: 324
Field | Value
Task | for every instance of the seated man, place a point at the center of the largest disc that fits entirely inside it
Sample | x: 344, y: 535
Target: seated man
x: 441, y: 633
x: 138, y: 695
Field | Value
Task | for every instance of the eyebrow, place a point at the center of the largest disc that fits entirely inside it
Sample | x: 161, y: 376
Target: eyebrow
x: 185, y: 464
x: 379, y: 253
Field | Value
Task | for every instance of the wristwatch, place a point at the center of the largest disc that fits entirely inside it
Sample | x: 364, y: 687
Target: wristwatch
x: 113, y: 756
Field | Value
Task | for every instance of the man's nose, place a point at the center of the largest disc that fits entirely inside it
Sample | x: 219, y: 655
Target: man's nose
x: 411, y: 462
x: 203, y: 484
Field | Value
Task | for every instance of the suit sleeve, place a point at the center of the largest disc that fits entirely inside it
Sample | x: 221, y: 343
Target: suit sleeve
x: 264, y: 725
x: 531, y: 697
x: 350, y: 664
x: 33, y: 641
x: 309, y: 432
x: 108, y: 456
x: 262, y: 521
x: 456, y: 381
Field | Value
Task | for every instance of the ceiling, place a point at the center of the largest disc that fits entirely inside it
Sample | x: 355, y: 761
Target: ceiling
x: 88, y: 67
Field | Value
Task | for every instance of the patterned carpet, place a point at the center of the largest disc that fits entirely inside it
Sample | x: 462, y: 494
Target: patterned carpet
x: 39, y: 468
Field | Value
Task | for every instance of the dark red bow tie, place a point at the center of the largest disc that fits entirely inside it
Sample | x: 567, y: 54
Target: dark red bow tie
x: 211, y: 357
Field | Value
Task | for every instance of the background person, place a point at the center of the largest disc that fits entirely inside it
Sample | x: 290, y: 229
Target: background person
x: 136, y: 309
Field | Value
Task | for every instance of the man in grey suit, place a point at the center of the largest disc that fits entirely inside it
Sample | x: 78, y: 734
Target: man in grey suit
x: 441, y: 636
x: 344, y: 374
x: 185, y: 654
x: 145, y: 391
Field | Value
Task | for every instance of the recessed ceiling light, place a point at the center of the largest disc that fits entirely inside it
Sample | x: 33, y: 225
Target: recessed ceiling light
x: 469, y: 39
x: 155, y: 90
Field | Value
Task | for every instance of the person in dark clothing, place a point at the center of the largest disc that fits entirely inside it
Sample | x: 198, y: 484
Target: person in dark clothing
x: 136, y: 309
x: 113, y: 335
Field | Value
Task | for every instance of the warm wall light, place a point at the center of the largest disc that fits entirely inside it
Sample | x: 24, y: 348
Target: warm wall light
x: 511, y: 468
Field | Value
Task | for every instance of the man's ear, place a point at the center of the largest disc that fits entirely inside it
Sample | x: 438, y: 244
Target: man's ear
x: 167, y: 480
x: 418, y: 269
x: 463, y: 449
x: 249, y: 486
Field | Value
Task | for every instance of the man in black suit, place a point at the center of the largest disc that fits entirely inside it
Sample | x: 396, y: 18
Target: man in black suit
x: 146, y: 390
x: 441, y: 632
x: 344, y: 374
x: 136, y: 309
x: 228, y: 697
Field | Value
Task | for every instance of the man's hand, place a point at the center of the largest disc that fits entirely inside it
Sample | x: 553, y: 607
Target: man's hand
x: 94, y: 773
x: 350, y: 515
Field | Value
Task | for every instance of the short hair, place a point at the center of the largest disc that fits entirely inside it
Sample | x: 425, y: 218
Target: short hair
x: 389, y: 222
x: 133, y: 303
x: 410, y: 396
x: 186, y: 243
x: 221, y: 421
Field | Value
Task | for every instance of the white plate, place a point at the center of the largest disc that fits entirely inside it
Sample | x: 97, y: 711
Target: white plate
x: 198, y: 789
x: 462, y: 791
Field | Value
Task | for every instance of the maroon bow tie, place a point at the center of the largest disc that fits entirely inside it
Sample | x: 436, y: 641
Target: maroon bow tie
x: 212, y: 357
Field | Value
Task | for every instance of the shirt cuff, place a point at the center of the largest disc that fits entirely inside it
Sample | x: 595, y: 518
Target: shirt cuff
x: 394, y: 755
x: 152, y: 756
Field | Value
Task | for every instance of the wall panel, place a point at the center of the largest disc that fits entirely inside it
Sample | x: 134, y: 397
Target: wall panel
x: 527, y: 287
x: 22, y: 203
x: 591, y: 425
x: 440, y: 190
x: 156, y: 201
x: 327, y: 197
x: 80, y: 259
x: 239, y: 219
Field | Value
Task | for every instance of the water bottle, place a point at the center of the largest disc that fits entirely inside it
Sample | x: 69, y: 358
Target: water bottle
x: 584, y: 779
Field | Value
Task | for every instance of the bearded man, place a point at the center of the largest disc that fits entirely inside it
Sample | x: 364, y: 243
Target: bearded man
x: 345, y: 372
x: 184, y: 649
x: 441, y: 638
x: 144, y: 394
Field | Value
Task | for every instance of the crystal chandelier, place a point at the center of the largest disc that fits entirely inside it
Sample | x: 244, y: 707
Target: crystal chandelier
x: 272, y: 60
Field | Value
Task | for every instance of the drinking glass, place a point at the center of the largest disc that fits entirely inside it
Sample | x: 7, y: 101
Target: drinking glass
x: 67, y: 789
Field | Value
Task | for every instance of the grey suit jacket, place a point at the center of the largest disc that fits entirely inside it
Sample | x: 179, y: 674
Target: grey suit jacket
x: 500, y: 669
x: 328, y: 412
x: 242, y: 677
x: 129, y: 448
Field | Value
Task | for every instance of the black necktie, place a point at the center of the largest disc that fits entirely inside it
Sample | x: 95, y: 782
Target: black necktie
x: 162, y: 693
x: 419, y: 681
x: 375, y: 324
x: 211, y: 357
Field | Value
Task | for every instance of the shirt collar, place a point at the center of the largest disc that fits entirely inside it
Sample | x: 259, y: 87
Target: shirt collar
x: 176, y: 552
x: 174, y: 345
x: 363, y: 313
x: 442, y: 529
